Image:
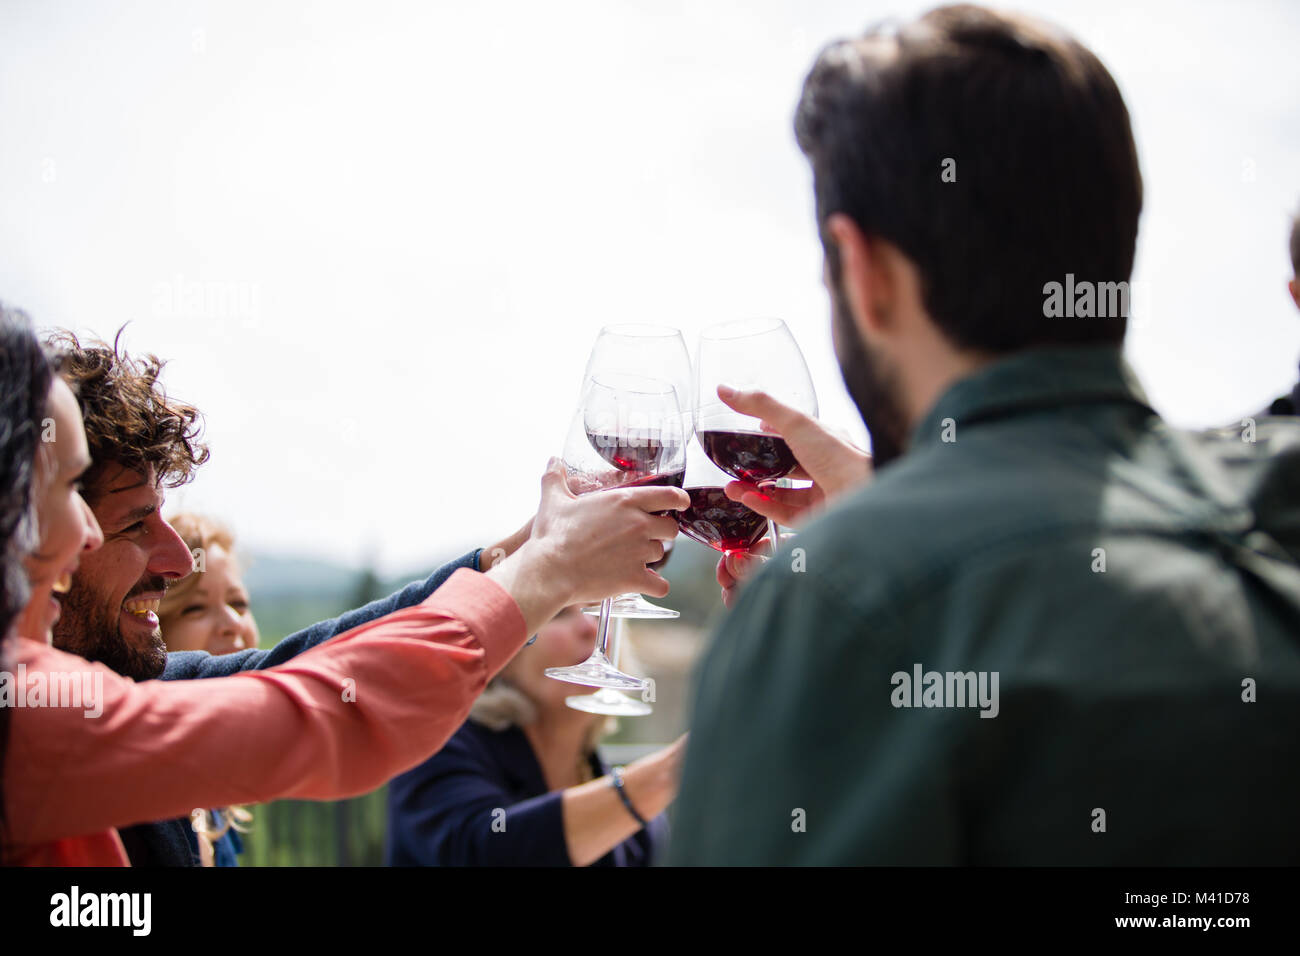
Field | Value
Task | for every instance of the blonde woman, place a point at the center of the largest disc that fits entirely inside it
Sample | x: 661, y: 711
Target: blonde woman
x: 210, y: 611
x: 521, y: 783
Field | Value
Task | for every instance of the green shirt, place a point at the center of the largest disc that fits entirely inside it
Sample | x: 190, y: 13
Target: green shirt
x: 1132, y: 588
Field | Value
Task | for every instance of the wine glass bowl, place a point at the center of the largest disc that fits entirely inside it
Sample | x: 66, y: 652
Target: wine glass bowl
x: 713, y: 519
x: 724, y: 525
x: 643, y: 349
x: 755, y: 457
x: 747, y: 354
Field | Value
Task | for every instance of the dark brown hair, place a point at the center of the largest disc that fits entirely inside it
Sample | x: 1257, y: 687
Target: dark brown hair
x: 130, y: 419
x: 1046, y: 172
x: 25, y: 377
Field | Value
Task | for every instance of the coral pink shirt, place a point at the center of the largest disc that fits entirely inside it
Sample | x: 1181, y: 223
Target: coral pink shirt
x: 336, y: 721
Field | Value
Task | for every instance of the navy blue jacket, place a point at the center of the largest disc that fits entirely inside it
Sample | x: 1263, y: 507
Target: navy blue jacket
x: 448, y: 810
x: 170, y: 842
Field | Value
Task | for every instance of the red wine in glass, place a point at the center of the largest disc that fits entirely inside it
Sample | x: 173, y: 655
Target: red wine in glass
x: 717, y: 521
x: 632, y: 453
x: 673, y: 480
x: 748, y: 456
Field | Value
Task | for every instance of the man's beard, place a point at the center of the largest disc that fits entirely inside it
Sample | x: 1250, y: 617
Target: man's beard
x: 87, y: 628
x: 871, y: 384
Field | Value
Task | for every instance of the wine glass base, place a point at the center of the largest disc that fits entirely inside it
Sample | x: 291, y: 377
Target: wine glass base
x: 609, y: 702
x: 636, y: 607
x: 597, y: 671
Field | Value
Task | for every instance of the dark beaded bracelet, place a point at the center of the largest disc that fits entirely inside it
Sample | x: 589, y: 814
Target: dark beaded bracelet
x: 617, y: 774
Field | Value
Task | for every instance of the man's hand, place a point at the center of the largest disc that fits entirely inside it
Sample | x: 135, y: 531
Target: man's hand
x: 833, y: 465
x: 584, y: 549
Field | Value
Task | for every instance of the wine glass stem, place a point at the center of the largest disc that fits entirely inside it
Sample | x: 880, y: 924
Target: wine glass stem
x: 606, y: 606
x: 773, y: 530
x: 616, y: 643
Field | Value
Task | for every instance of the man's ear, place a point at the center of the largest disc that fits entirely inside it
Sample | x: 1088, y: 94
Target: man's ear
x: 862, y: 275
x: 1294, y: 286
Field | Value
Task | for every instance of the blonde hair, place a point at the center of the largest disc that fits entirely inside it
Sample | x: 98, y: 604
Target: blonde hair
x: 211, y: 825
x: 502, y: 705
x: 200, y: 533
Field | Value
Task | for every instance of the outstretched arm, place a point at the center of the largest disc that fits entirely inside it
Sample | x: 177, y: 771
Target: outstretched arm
x: 338, y: 720
x: 193, y: 665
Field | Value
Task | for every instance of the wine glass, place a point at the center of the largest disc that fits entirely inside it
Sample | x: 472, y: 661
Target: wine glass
x: 640, y: 349
x: 749, y: 354
x: 608, y: 701
x: 713, y: 519
x: 627, y: 431
x: 657, y: 351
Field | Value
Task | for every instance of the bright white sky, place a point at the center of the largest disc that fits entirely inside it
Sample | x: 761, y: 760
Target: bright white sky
x: 405, y: 222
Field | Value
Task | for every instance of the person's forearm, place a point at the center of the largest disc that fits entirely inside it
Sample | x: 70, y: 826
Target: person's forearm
x: 336, y: 721
x: 193, y: 665
x: 595, y: 819
x: 534, y: 579
x: 493, y: 554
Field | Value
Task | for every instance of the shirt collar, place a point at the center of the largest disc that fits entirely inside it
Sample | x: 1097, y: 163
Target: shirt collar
x: 1033, y: 379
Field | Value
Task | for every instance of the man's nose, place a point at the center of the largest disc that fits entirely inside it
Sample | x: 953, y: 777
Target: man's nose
x: 170, y: 555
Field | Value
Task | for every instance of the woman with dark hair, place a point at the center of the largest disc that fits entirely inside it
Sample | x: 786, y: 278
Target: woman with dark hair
x: 26, y: 374
x: 336, y: 721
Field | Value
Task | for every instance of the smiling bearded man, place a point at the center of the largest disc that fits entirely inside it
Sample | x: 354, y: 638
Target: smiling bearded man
x: 142, y: 443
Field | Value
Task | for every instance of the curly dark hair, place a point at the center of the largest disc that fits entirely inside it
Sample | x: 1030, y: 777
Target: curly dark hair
x: 26, y: 374
x: 130, y: 419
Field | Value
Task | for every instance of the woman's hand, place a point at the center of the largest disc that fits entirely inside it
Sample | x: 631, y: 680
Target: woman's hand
x: 595, y: 819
